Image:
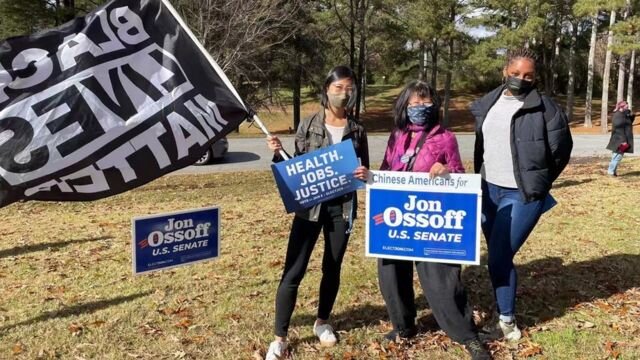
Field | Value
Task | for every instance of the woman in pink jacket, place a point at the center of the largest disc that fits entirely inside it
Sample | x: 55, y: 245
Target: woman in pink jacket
x: 418, y: 143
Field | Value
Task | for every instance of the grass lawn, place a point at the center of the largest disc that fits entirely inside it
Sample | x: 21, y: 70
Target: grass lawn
x: 68, y: 291
x: 378, y: 118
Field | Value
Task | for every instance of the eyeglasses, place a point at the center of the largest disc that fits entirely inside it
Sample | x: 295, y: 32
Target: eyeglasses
x: 426, y: 103
x: 342, y: 88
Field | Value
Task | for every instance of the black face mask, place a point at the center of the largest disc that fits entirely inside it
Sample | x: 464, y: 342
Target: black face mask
x: 519, y: 86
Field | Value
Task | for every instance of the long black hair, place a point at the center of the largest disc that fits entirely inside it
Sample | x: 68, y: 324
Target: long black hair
x: 338, y: 73
x: 417, y: 87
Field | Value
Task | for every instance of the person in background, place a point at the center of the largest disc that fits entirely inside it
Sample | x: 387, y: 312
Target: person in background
x: 621, y: 141
x: 332, y: 124
x: 522, y: 145
x: 418, y: 143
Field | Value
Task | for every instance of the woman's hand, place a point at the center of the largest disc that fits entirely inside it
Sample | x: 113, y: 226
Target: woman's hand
x: 361, y: 173
x: 438, y: 170
x: 274, y: 143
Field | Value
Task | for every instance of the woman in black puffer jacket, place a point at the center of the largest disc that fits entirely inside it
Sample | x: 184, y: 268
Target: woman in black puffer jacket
x: 621, y: 135
x: 522, y: 145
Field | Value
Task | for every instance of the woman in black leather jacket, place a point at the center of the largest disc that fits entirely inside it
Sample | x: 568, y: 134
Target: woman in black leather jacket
x: 332, y: 124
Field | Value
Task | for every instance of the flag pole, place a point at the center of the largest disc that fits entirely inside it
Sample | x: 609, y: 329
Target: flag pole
x: 264, y: 129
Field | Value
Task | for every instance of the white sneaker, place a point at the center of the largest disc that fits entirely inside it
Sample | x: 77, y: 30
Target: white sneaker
x: 510, y: 330
x: 325, y: 333
x: 501, y: 329
x: 276, y: 350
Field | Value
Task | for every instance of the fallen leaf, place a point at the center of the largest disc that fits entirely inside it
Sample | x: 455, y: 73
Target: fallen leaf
x: 610, y: 347
x: 529, y: 349
x: 76, y: 329
x: 588, y: 325
x: 149, y: 329
x: 18, y: 348
x: 184, y: 323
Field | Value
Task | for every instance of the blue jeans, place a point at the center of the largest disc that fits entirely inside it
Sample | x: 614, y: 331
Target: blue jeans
x: 616, y: 157
x: 507, y: 221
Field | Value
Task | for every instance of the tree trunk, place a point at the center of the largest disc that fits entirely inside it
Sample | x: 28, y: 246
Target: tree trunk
x: 554, y: 67
x: 363, y: 81
x: 449, y: 66
x: 297, y: 90
x: 547, y: 64
x: 622, y: 72
x: 352, y: 34
x: 423, y: 61
x: 68, y: 10
x: 361, y: 57
x: 434, y: 64
x: 606, y: 77
x: 572, y: 69
x: 590, y: 73
x: 622, y: 66
x: 632, y: 73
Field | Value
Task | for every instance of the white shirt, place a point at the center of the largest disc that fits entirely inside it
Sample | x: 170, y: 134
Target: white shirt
x: 335, y: 133
x: 496, y: 129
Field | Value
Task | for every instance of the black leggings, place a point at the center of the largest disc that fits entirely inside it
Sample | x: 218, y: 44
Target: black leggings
x: 302, y: 239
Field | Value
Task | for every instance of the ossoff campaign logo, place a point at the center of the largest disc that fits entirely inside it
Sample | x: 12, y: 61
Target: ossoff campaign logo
x: 412, y: 216
x: 169, y: 240
x: 183, y: 234
x: 422, y: 214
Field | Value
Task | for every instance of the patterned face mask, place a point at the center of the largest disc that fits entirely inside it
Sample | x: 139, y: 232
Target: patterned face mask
x: 421, y: 114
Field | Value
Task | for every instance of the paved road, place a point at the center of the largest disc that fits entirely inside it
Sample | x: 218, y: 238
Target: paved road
x: 248, y: 154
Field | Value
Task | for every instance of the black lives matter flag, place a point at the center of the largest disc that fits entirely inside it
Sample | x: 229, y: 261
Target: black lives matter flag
x: 106, y: 103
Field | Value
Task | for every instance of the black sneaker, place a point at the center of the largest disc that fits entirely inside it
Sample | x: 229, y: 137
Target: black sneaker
x: 406, y: 334
x: 477, y: 350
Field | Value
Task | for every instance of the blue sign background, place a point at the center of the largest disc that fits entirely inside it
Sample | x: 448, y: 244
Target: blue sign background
x: 290, y: 184
x: 147, y: 257
x: 398, y: 241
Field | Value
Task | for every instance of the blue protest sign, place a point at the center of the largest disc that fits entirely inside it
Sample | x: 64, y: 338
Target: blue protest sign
x: 318, y: 176
x: 411, y: 216
x: 174, y: 239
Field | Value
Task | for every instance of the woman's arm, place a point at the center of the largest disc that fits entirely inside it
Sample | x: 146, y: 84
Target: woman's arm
x: 452, y: 155
x: 559, y: 137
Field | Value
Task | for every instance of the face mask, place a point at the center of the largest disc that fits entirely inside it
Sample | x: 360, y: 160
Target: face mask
x: 421, y: 114
x: 339, y: 100
x: 519, y: 86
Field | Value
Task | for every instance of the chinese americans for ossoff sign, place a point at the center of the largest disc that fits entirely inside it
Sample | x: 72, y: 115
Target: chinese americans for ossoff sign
x: 318, y: 176
x: 411, y: 216
x: 174, y: 239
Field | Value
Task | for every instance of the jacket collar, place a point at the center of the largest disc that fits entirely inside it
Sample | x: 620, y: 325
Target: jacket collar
x: 481, y: 107
x: 532, y: 100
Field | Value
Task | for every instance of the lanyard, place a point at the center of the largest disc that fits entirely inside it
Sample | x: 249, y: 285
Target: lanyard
x: 410, y: 158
